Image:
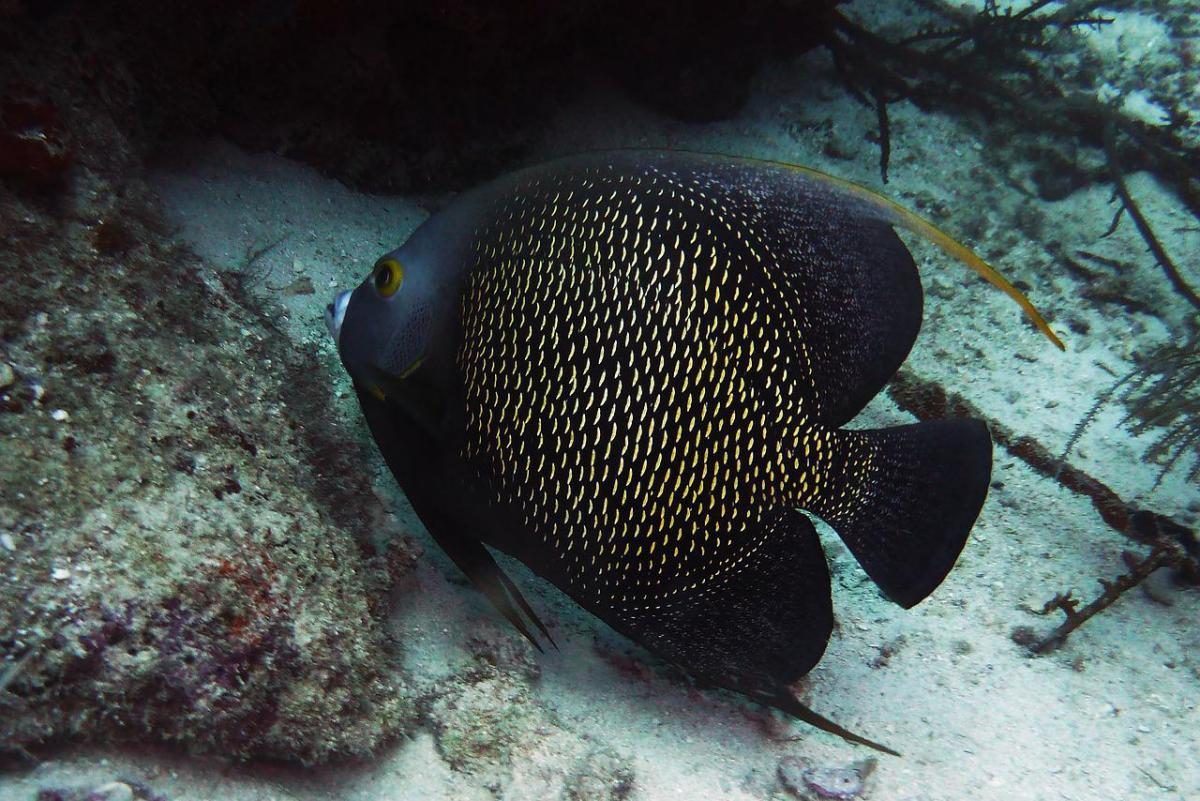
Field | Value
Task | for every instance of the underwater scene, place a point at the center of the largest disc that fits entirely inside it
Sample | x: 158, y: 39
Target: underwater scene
x: 608, y: 400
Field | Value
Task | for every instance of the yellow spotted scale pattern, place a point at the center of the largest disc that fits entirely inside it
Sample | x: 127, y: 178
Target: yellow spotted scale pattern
x: 638, y: 389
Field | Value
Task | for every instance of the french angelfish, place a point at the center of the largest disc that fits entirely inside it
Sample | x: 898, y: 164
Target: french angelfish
x: 631, y: 370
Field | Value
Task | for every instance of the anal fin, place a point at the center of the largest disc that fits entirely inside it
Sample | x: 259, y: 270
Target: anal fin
x: 757, y: 628
x: 760, y: 629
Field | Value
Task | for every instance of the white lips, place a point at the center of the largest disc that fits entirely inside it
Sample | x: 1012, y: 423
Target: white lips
x: 335, y: 313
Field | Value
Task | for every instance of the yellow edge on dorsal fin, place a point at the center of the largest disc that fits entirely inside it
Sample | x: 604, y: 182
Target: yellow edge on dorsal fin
x: 898, y: 215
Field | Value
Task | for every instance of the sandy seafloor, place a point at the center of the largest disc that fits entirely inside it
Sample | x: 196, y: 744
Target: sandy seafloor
x: 1113, y: 715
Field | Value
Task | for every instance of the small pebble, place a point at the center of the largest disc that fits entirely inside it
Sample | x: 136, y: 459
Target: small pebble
x: 841, y: 784
x: 7, y: 376
x: 60, y: 415
x: 60, y: 574
x: 113, y: 791
x: 7, y: 541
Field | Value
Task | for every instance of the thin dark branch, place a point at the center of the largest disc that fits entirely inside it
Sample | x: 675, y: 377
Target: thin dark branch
x: 1143, y: 225
x: 885, y: 134
x: 968, y: 80
x: 1116, y: 220
x: 1161, y: 556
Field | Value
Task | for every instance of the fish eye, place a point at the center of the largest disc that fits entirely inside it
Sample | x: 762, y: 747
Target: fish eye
x: 387, y: 277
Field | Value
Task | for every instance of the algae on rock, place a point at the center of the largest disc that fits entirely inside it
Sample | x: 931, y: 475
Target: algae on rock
x: 180, y: 557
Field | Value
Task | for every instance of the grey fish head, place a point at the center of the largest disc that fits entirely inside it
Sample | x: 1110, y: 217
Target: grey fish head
x: 387, y: 326
x: 383, y: 327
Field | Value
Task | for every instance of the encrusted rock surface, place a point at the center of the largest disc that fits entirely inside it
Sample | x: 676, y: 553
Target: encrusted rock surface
x: 180, y: 561
x: 183, y: 549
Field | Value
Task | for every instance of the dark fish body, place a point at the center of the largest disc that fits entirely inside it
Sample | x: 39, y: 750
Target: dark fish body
x: 630, y: 372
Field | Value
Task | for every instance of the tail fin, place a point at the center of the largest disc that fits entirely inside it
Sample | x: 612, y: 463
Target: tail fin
x: 908, y: 499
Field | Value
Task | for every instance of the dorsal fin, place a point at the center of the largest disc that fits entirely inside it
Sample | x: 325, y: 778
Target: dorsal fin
x: 894, y: 213
x: 836, y: 283
x: 868, y: 200
x: 845, y: 286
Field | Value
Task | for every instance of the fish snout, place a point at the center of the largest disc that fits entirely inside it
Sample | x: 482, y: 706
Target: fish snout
x: 335, y: 313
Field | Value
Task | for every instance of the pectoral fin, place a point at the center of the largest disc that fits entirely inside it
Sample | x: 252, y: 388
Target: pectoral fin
x: 473, y: 558
x: 436, y: 487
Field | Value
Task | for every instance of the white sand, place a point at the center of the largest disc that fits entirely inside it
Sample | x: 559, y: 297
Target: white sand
x: 974, y: 716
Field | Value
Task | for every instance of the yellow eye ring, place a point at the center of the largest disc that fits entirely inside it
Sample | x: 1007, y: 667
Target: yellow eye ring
x: 387, y: 277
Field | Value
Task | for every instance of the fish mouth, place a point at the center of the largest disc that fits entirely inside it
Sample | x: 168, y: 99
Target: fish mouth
x: 335, y: 314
